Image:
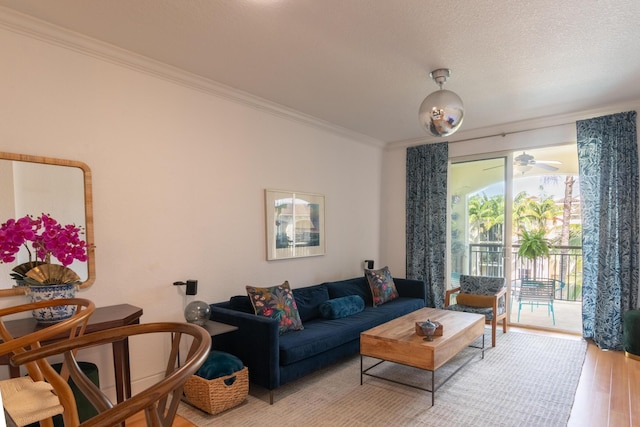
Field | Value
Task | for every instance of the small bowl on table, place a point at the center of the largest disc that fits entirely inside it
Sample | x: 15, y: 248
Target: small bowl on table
x: 428, y: 329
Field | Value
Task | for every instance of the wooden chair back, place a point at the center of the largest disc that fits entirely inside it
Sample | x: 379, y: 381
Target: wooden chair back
x: 40, y: 370
x: 159, y: 401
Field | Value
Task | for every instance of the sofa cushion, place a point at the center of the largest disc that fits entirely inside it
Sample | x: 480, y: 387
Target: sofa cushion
x: 309, y: 299
x: 356, y: 286
x: 341, y: 307
x: 322, y: 335
x: 487, y: 311
x: 276, y: 302
x: 241, y: 303
x: 382, y: 287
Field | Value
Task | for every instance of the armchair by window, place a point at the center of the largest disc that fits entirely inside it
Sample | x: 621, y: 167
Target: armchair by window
x: 481, y: 295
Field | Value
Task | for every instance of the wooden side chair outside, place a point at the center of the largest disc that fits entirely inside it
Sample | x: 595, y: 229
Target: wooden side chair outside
x: 481, y: 295
x: 43, y: 393
x: 159, y: 401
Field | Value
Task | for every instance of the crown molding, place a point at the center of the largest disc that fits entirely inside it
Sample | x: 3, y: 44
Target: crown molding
x: 44, y: 31
x: 520, y: 126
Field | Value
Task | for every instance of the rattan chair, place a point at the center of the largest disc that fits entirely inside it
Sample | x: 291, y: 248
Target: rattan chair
x: 159, y: 401
x: 481, y: 295
x: 31, y: 399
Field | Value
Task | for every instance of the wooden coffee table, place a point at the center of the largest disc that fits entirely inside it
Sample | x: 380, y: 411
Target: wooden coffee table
x: 396, y: 341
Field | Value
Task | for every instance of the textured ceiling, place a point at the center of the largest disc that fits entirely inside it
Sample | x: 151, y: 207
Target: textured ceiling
x: 363, y: 64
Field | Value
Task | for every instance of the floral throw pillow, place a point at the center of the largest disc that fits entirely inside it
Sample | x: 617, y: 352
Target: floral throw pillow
x: 276, y: 302
x: 382, y: 287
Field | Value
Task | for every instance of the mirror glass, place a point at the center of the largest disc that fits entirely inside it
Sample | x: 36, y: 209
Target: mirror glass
x: 32, y: 185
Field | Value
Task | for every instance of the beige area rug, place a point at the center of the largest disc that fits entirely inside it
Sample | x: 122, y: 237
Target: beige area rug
x: 526, y: 380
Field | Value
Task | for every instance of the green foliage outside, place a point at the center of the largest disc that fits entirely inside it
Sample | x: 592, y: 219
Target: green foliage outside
x: 533, y: 244
x: 530, y: 214
x: 540, y: 223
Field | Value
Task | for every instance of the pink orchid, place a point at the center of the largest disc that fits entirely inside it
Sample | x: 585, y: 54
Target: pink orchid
x: 48, y: 238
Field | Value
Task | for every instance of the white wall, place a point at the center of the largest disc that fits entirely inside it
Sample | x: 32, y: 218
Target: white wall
x: 178, y: 182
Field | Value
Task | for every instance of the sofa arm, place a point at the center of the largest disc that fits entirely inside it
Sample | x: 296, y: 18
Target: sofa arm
x: 256, y: 343
x: 412, y: 288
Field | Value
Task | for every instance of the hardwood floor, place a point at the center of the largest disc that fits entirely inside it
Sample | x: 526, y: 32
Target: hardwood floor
x: 608, y: 394
x: 138, y: 420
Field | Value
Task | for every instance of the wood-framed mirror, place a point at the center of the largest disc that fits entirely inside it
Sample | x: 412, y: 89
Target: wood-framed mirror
x: 35, y: 185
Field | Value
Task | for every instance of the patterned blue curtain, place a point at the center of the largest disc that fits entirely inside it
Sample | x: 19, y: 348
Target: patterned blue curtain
x: 608, y: 162
x: 427, y: 217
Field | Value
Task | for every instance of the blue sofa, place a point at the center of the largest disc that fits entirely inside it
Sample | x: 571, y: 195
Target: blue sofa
x: 274, y: 359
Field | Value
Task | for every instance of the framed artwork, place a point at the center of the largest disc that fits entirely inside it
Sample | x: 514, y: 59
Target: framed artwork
x: 295, y: 224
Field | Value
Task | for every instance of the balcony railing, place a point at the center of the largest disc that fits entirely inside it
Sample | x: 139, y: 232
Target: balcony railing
x: 564, y: 265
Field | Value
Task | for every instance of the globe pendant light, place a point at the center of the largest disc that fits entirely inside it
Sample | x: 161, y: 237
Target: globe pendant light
x: 441, y: 113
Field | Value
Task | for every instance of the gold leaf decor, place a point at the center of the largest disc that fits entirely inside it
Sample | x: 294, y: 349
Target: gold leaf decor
x: 23, y: 268
x: 53, y: 274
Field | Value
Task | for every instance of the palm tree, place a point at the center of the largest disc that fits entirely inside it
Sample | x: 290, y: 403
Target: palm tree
x: 533, y: 219
x: 519, y: 211
x: 540, y: 214
x: 485, y: 214
x: 566, y: 222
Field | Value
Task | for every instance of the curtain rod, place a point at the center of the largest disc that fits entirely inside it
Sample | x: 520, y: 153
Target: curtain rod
x: 503, y: 134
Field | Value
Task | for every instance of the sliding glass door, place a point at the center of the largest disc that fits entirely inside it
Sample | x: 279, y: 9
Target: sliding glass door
x: 478, y: 221
x: 504, y: 212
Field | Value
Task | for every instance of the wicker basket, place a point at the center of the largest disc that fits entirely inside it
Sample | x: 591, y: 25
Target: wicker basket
x: 214, y: 396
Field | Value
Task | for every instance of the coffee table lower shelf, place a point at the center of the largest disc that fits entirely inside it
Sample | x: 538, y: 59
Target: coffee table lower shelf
x: 433, y: 388
x: 396, y: 341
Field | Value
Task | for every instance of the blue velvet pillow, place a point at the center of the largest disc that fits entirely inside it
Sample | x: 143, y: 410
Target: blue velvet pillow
x: 342, y: 307
x: 309, y: 299
x: 219, y: 364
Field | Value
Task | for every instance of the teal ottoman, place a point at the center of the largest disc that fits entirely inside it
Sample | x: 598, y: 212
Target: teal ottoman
x: 631, y: 334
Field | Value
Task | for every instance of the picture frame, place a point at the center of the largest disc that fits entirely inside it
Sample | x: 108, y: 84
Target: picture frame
x: 294, y: 223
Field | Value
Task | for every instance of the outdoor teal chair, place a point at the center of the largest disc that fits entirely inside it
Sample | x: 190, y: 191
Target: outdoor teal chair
x: 559, y: 287
x: 537, y: 292
x: 515, y: 292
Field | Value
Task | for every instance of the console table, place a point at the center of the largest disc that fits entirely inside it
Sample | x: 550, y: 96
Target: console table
x: 103, y: 318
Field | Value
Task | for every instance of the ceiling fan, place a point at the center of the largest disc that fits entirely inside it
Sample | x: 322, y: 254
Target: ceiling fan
x: 524, y: 162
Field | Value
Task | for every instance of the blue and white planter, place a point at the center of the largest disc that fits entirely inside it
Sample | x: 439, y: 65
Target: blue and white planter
x: 49, y: 292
